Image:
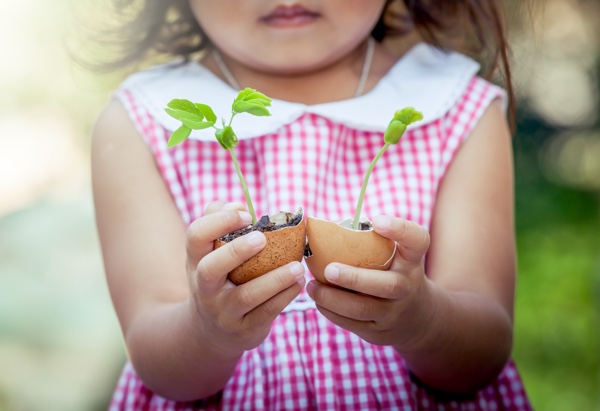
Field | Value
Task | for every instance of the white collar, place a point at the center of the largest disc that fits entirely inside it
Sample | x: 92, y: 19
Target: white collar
x: 426, y: 78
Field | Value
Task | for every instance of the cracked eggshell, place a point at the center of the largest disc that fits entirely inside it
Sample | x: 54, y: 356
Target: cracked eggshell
x: 283, y: 246
x: 331, y: 242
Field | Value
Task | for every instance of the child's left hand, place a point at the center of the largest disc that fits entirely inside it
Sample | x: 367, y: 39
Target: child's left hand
x: 383, y: 307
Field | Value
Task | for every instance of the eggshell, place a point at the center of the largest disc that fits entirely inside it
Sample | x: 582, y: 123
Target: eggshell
x: 331, y: 242
x: 283, y: 246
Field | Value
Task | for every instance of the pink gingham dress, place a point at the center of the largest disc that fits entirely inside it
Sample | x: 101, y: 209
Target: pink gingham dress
x: 315, y: 157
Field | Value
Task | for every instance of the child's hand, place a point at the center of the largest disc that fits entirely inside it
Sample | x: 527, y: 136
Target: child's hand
x: 382, y: 307
x: 234, y: 318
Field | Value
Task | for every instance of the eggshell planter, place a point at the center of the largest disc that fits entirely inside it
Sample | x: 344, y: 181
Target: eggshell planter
x: 286, y: 241
x: 330, y: 242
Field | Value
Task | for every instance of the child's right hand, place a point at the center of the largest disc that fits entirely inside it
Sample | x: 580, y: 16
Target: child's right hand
x: 234, y: 318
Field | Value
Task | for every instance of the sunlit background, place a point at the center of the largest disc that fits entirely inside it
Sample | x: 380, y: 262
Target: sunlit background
x: 60, y: 345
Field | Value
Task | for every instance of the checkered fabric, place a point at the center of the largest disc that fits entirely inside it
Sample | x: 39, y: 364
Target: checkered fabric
x: 306, y: 362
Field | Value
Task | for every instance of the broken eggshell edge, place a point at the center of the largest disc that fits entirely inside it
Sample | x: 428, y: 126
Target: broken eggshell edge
x: 333, y: 242
x: 283, y: 246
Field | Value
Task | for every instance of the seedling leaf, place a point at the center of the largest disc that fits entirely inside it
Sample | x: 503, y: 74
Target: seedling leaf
x: 226, y: 138
x: 184, y: 105
x: 179, y: 135
x: 408, y: 115
x: 394, y: 132
x: 196, y: 125
x: 184, y: 115
x: 208, y: 112
x: 252, y: 102
x: 256, y: 109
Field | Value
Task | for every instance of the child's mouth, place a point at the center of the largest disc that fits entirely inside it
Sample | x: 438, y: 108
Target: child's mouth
x: 289, y: 16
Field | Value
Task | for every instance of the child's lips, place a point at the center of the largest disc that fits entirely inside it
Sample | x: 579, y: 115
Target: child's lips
x: 289, y: 16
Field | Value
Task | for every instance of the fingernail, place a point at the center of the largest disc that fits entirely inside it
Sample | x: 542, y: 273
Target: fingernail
x: 332, y: 273
x: 381, y: 222
x: 245, y: 217
x: 233, y: 206
x: 302, y: 281
x: 297, y: 269
x: 255, y: 239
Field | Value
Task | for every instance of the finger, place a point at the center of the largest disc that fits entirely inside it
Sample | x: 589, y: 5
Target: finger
x: 219, y: 205
x: 354, y: 326
x: 250, y: 295
x: 412, y: 239
x: 358, y: 307
x: 270, y: 309
x: 214, y: 206
x: 383, y: 284
x: 214, y: 267
x: 234, y: 206
x: 202, y: 233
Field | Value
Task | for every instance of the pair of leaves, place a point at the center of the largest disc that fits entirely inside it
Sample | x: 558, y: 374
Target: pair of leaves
x: 402, y: 119
x: 193, y: 116
x: 252, y: 102
x: 196, y: 116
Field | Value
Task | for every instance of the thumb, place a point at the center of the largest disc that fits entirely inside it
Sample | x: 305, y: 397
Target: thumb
x: 202, y: 233
x: 412, y: 239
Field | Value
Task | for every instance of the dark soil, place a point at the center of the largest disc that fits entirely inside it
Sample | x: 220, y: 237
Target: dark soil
x: 264, y: 225
x: 365, y: 226
x: 307, y: 251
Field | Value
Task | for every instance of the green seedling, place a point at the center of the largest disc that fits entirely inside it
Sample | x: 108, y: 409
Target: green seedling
x: 196, y: 116
x: 395, y: 130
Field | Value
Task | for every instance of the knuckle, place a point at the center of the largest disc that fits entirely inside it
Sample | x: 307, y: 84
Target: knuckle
x: 352, y: 280
x: 283, y: 278
x: 360, y: 311
x: 233, y: 219
x: 230, y: 217
x: 269, y: 308
x: 245, y: 297
x: 203, y: 271
x: 394, y: 285
x: 235, y: 251
x: 193, y: 230
x: 402, y: 227
x: 417, y: 235
x: 425, y: 240
x: 214, y: 206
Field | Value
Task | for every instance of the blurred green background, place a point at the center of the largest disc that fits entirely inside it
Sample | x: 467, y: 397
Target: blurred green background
x: 60, y: 345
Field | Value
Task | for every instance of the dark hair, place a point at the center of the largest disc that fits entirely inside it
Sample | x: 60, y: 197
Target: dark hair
x: 140, y: 30
x: 476, y: 28
x: 473, y: 27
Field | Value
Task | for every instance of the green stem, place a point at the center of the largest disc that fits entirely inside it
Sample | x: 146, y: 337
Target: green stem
x: 364, y: 187
x: 233, y: 113
x: 244, y: 186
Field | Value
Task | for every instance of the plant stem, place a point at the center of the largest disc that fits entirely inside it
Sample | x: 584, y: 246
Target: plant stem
x: 233, y: 113
x: 364, y: 187
x: 244, y: 186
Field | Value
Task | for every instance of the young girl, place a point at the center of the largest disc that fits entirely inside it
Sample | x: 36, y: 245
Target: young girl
x: 435, y: 331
